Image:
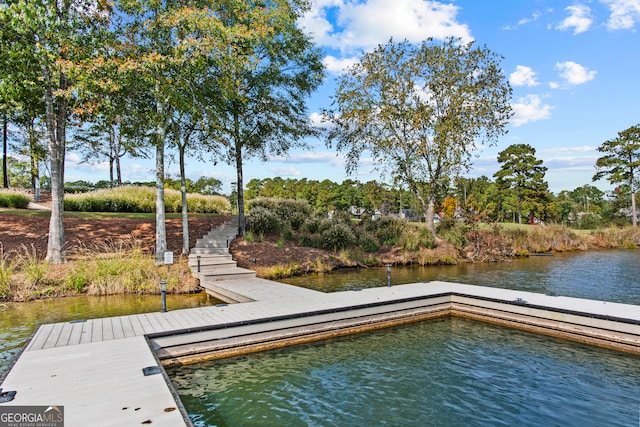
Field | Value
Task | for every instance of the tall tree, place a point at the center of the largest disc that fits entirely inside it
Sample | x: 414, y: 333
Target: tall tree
x: 621, y: 162
x: 522, y: 175
x: 55, y: 40
x: 258, y: 104
x: 160, y: 43
x: 420, y: 110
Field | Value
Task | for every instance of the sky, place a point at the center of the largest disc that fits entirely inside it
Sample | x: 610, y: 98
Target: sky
x: 574, y: 67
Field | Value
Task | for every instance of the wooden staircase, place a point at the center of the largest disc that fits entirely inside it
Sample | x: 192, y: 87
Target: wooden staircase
x: 210, y: 262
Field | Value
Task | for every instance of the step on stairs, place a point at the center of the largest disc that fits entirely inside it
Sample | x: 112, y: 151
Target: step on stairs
x: 210, y: 262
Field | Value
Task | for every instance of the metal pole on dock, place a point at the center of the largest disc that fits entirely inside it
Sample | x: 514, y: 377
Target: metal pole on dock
x: 388, y: 274
x: 163, y: 291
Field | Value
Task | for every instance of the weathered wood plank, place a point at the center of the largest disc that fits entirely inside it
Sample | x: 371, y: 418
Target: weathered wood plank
x: 87, y: 331
x: 136, y: 324
x: 118, y: 329
x: 40, y: 337
x: 52, y: 339
x: 96, y: 331
x: 127, y: 327
x: 148, y: 326
x: 76, y: 333
x: 65, y: 334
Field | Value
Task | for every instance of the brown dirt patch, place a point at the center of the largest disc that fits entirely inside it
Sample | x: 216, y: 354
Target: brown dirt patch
x: 20, y: 231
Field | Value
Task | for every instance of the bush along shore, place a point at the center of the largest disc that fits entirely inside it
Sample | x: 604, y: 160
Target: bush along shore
x: 284, y: 238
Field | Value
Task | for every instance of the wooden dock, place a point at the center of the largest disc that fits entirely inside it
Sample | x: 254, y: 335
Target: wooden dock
x: 109, y: 371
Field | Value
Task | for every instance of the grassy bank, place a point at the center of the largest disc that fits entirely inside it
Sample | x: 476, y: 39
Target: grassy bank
x: 116, y: 269
x: 281, y: 226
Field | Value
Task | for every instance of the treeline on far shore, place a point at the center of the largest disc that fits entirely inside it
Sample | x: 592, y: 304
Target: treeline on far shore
x: 378, y: 241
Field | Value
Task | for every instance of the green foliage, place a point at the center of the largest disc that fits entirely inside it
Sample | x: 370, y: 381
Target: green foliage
x: 368, y: 242
x: 523, y: 174
x: 621, y: 162
x: 14, y: 199
x: 78, y: 277
x: 291, y: 212
x: 142, y: 199
x: 416, y: 236
x: 435, y: 100
x: 337, y: 236
x: 263, y: 221
x: 7, y: 267
x: 78, y: 187
x: 279, y: 271
x: 454, y: 232
x: 205, y: 186
x: 387, y: 230
x: 33, y: 270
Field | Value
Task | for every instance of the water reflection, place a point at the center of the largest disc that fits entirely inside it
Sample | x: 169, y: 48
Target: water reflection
x: 602, y: 275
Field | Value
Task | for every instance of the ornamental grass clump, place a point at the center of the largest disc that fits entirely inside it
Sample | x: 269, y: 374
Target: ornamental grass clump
x: 141, y: 199
x: 7, y: 267
x: 14, y: 199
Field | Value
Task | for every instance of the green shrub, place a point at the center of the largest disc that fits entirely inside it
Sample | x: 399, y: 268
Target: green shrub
x: 263, y: 221
x: 368, y: 242
x: 417, y: 236
x: 338, y: 236
x: 310, y: 241
x: 14, y: 199
x: 7, y: 268
x: 290, y: 211
x: 78, y: 277
x: 387, y: 230
x: 312, y: 225
x: 453, y: 231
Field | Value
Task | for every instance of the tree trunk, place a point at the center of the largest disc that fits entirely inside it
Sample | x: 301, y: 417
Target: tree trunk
x: 161, y: 232
x: 185, y: 210
x: 5, y: 170
x: 242, y: 221
x: 56, y: 137
x: 118, y: 155
x: 519, y: 211
x: 35, y: 171
x: 633, y: 202
x: 428, y: 208
x: 633, y: 209
x: 112, y: 155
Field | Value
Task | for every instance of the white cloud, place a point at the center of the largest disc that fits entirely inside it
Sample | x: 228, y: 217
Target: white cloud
x: 575, y: 74
x: 523, y: 76
x: 579, y: 19
x: 624, y: 14
x: 336, y: 65
x: 530, y: 109
x: 351, y: 25
x: 309, y: 157
x: 581, y: 149
x: 317, y: 121
x: 285, y: 171
x: 533, y: 18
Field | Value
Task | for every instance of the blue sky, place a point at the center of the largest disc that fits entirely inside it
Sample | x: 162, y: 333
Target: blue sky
x: 573, y: 66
